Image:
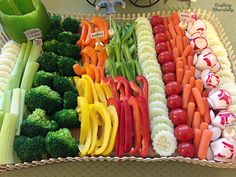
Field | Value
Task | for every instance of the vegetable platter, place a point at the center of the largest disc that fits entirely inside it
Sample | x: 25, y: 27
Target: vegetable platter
x: 144, y: 88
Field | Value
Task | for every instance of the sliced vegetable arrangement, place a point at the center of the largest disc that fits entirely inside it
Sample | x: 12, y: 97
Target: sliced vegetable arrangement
x: 117, y: 88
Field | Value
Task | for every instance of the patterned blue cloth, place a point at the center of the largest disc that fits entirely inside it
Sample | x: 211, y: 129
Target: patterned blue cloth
x: 110, y: 5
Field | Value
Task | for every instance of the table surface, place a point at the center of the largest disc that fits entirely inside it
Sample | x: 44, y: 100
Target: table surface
x: 102, y: 169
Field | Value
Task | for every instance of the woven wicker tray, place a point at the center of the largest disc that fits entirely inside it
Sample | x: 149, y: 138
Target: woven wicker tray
x: 207, y: 15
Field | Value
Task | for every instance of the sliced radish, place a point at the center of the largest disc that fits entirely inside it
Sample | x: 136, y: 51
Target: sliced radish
x: 197, y: 73
x: 210, y: 154
x: 198, y: 26
x: 199, y: 44
x: 216, y: 67
x: 196, y: 35
x: 206, y: 51
x: 212, y: 114
x: 190, y: 26
x: 205, y: 73
x: 195, y: 59
x: 188, y: 35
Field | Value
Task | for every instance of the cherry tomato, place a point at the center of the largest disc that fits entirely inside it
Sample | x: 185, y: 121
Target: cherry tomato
x: 183, y: 132
x: 174, y: 101
x: 156, y: 20
x: 186, y: 149
x: 168, y: 67
x: 178, y: 116
x: 168, y: 77
x: 164, y: 57
x: 160, y: 47
x: 158, y: 29
x: 173, y: 88
x: 160, y: 37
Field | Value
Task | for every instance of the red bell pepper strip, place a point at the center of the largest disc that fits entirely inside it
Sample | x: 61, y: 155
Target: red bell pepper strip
x: 128, y: 125
x: 109, y: 81
x: 145, y: 128
x: 116, y: 102
x: 136, y: 124
x: 126, y: 86
x: 121, y: 133
x: 144, y: 83
x: 137, y: 91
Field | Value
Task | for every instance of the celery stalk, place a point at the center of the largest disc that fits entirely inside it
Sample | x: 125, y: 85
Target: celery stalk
x: 7, y: 138
x: 7, y: 101
x: 15, y: 101
x: 30, y: 71
x: 21, y: 114
x: 35, y: 53
x: 1, y: 118
x: 1, y: 100
x: 27, y: 52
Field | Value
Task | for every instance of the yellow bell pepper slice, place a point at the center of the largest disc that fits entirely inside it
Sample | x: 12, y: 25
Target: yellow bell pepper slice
x: 80, y: 88
x: 94, y: 125
x: 101, y: 94
x: 102, y: 110
x: 114, y: 120
x: 88, y: 78
x: 107, y: 90
x: 85, y: 130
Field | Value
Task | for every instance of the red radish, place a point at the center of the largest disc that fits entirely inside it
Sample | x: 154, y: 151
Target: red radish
x: 160, y: 47
x: 157, y: 20
x: 158, y: 29
x: 216, y: 68
x: 198, y: 26
x: 164, y: 57
x: 174, y: 102
x: 195, y: 35
x: 168, y: 77
x: 190, y: 25
x: 197, y: 73
x: 160, y: 37
x: 199, y: 44
x: 206, y: 51
x: 168, y: 67
x: 188, y: 35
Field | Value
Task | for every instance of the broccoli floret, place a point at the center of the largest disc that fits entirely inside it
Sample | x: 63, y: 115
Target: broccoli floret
x: 53, y: 34
x: 50, y: 46
x: 62, y: 85
x: 37, y: 123
x: 71, y: 24
x: 29, y: 149
x: 70, y: 100
x: 68, y: 50
x: 61, y: 144
x: 67, y: 118
x: 65, y: 66
x: 43, y: 78
x: 68, y: 37
x: 43, y: 97
x: 48, y: 62
x: 56, y: 21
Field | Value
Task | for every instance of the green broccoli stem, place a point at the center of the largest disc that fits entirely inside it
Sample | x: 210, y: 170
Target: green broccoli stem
x: 21, y: 113
x: 1, y: 118
x: 7, y: 101
x: 30, y: 71
x: 7, y: 137
x: 15, y: 102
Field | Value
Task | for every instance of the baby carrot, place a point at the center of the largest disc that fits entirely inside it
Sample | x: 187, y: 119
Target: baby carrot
x: 172, y: 43
x: 204, y: 144
x: 199, y: 101
x: 169, y: 47
x: 178, y: 30
x: 179, y: 75
x: 185, y: 41
x: 196, y: 120
x: 179, y: 59
x: 187, y: 51
x: 186, y: 78
x: 175, y: 18
x: 186, y: 95
x: 191, y: 99
x: 192, y: 69
x: 199, y: 85
x: 197, y: 133
x: 203, y: 126
x: 179, y: 44
x: 192, y: 81
x: 168, y: 35
x: 206, y: 116
x: 190, y: 113
x: 176, y: 53
x: 179, y: 64
x: 186, y: 68
x: 190, y: 61
x: 182, y: 31
x: 170, y: 22
x: 172, y: 31
x: 184, y: 60
x: 165, y: 23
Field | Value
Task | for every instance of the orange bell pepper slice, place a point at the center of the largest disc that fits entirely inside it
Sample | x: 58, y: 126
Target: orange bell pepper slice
x: 84, y: 33
x: 79, y: 70
x: 102, y: 72
x: 102, y: 57
x: 85, y: 58
x: 102, y: 25
x: 89, y: 71
x: 88, y: 39
x: 96, y: 72
x: 91, y: 53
